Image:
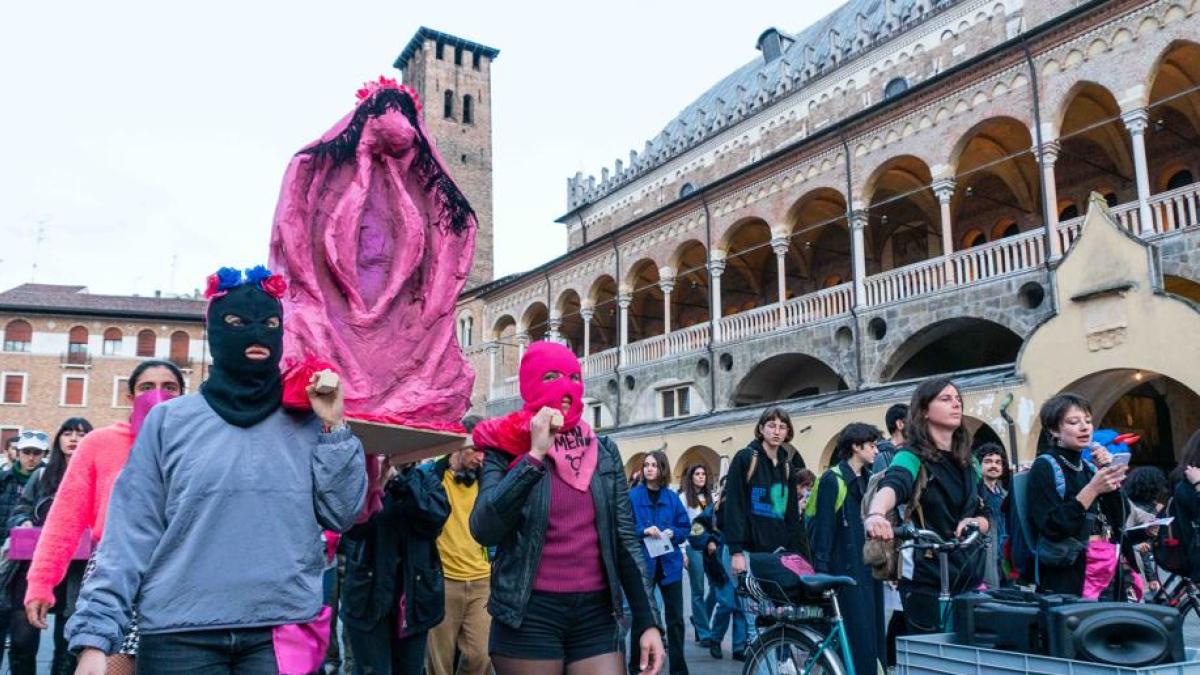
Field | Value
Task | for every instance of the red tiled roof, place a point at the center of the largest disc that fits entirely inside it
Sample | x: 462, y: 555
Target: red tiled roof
x: 60, y: 299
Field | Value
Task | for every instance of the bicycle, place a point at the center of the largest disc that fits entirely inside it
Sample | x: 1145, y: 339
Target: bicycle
x: 806, y: 626
x: 928, y: 540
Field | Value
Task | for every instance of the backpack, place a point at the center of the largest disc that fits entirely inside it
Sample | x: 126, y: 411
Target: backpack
x: 810, y: 508
x: 1171, y: 550
x: 883, y: 557
x: 1022, y: 545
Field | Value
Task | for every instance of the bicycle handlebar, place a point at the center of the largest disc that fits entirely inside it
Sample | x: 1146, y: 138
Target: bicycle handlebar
x: 930, y: 539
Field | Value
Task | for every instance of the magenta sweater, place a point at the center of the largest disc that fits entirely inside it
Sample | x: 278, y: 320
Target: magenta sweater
x: 571, y: 561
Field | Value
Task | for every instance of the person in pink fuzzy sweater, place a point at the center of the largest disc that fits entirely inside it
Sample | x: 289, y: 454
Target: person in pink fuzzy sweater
x: 82, y: 498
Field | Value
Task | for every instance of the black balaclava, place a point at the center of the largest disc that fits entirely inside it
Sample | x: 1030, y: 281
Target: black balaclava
x: 241, y: 391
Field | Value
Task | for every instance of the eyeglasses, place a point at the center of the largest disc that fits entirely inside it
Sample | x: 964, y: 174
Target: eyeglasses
x: 39, y: 435
x: 34, y: 452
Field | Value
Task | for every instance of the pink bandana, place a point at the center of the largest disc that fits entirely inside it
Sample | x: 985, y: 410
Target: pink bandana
x: 142, y: 405
x: 574, y: 455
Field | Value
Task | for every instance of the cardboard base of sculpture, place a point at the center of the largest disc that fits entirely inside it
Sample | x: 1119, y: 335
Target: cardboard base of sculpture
x: 411, y: 443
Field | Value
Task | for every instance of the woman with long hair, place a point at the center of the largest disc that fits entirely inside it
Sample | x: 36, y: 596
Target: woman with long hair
x: 938, y: 446
x: 1186, y: 500
x: 82, y: 497
x: 696, y: 494
x: 30, y: 511
x: 554, y: 501
x: 659, y: 515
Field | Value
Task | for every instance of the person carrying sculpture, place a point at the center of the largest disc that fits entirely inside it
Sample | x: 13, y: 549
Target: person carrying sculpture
x: 215, y: 523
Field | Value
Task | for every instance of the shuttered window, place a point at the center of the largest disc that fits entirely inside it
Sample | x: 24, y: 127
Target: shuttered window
x: 179, y: 348
x: 74, y: 389
x: 14, y: 387
x: 145, y: 343
x: 112, y: 341
x: 17, y: 336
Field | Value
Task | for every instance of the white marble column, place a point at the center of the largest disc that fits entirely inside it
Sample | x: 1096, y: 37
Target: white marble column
x: 555, y: 325
x: 944, y: 189
x: 716, y: 267
x: 522, y: 340
x: 492, y: 350
x: 779, y: 244
x: 667, y: 284
x: 624, y: 300
x: 1049, y: 156
x: 587, y: 313
x: 1136, y: 121
x: 858, y: 224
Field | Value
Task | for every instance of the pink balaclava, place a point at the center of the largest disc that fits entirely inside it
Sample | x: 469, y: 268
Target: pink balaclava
x: 142, y: 405
x: 541, y: 358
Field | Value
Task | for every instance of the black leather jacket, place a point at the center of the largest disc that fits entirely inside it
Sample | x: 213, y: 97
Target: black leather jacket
x: 512, y: 513
x: 395, y: 552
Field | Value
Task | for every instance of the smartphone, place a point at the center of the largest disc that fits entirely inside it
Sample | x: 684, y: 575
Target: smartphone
x: 1121, y: 459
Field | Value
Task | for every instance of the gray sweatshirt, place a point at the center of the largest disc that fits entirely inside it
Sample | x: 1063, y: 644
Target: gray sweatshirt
x: 214, y: 526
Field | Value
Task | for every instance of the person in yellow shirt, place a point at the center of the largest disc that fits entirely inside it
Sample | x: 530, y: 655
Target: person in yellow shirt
x: 467, y: 570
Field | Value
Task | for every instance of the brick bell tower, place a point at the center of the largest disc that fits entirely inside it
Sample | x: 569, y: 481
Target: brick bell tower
x: 453, y: 78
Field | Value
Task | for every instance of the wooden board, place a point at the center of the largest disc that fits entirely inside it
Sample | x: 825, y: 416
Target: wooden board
x: 410, y: 443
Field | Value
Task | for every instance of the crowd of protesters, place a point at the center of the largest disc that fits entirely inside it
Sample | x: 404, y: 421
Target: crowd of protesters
x: 529, y: 550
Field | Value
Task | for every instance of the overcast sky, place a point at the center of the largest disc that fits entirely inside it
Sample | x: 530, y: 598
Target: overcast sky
x: 146, y: 141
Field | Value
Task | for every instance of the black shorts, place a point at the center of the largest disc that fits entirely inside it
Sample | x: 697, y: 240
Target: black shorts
x: 566, y: 627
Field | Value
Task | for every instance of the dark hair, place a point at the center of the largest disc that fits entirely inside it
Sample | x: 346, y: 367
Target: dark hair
x: 916, y: 427
x: 774, y: 413
x: 470, y: 422
x: 664, y: 468
x: 855, y: 433
x: 992, y: 448
x: 691, y: 493
x: 57, y: 466
x: 803, y: 478
x: 1146, y: 485
x: 1055, y: 409
x: 894, y: 414
x: 1189, y: 457
x: 142, y: 367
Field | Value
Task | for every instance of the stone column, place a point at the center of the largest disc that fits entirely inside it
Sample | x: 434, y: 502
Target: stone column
x: 944, y: 189
x: 779, y: 244
x: 1049, y: 156
x: 624, y: 300
x: 587, y: 313
x: 522, y: 340
x: 554, y: 325
x: 492, y: 350
x: 1136, y: 121
x: 858, y: 224
x: 716, y: 267
x: 667, y: 284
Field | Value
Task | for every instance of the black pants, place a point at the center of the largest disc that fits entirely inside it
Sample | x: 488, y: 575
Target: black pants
x: 673, y: 608
x: 246, y: 651
x: 380, y: 652
x: 922, y: 612
x: 25, y: 639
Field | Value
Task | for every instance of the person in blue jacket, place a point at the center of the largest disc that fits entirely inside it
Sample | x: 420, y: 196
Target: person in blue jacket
x: 659, y: 514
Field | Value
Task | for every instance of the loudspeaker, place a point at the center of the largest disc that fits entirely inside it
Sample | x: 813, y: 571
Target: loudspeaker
x: 1116, y: 633
x: 1008, y: 619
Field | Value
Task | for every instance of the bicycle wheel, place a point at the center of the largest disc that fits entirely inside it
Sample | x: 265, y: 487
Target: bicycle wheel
x: 786, y: 650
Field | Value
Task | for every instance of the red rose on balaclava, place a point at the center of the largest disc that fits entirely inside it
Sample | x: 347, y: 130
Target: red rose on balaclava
x: 544, y: 357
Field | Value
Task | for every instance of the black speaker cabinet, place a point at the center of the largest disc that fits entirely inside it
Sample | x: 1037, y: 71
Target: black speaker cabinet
x: 1115, y: 633
x: 1007, y: 619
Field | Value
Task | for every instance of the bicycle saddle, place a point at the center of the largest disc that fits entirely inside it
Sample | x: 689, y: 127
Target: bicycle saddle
x: 817, y: 584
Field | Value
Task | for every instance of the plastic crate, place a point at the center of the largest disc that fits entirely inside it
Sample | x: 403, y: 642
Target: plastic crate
x: 938, y: 655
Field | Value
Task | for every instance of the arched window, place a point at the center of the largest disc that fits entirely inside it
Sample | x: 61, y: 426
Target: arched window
x: 895, y: 87
x: 112, y: 342
x: 77, y: 345
x: 1180, y: 179
x: 973, y: 238
x: 146, y: 342
x: 17, y: 336
x: 448, y: 104
x: 179, y: 349
x: 468, y: 110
